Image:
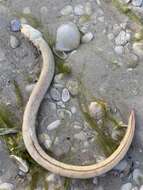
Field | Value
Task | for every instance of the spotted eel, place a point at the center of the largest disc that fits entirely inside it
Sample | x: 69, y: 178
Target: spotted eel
x: 30, y: 114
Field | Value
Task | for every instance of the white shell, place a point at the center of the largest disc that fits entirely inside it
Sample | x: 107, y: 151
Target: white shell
x: 68, y: 37
x: 22, y: 164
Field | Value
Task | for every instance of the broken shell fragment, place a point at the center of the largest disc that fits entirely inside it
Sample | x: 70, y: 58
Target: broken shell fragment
x: 21, y: 163
x: 68, y: 37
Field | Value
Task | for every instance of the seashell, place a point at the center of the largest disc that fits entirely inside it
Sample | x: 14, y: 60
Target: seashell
x: 21, y: 163
x: 68, y: 37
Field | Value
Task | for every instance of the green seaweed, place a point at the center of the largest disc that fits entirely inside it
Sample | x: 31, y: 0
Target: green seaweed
x: 127, y: 11
x: 67, y: 183
x: 61, y: 67
x: 19, y: 96
x: 48, y: 37
x: 32, y: 20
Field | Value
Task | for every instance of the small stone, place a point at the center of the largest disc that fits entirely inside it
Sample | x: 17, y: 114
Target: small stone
x: 101, y: 19
x: 29, y: 87
x: 121, y: 166
x: 80, y: 136
x: 27, y: 10
x: 87, y: 37
x: 55, y: 94
x: 110, y: 36
x: 88, y: 8
x: 127, y: 186
x: 67, y: 10
x: 138, y: 48
x: 132, y: 61
x: 136, y: 188
x: 15, y: 25
x: 64, y: 114
x: 6, y: 186
x: 138, y: 176
x: 77, y: 125
x: 119, y: 50
x: 59, y: 78
x: 141, y: 188
x: 96, y: 111
x: 44, y: 12
x: 45, y: 140
x: 95, y: 181
x: 65, y: 95
x: 73, y: 110
x: 61, y: 104
x: 137, y: 3
x: 79, y: 10
x: 122, y: 38
x: 14, y: 42
x: 72, y: 86
x: 54, y: 125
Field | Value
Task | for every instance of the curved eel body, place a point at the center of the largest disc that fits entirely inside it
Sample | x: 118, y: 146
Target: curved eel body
x: 31, y: 110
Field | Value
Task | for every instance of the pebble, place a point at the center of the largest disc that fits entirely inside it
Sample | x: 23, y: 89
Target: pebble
x: 45, y: 140
x: 73, y: 110
x: 54, y: 125
x: 88, y: 8
x: 122, y: 38
x: 67, y: 10
x: 135, y: 188
x: 72, y: 86
x: 77, y: 125
x: 65, y: 95
x: 138, y: 48
x: 79, y: 10
x: 87, y: 37
x: 110, y: 36
x: 80, y: 136
x: 22, y: 164
x: 63, y: 114
x: 6, y: 186
x: 14, y: 42
x: 27, y: 10
x: 137, y: 176
x: 132, y: 61
x: 137, y: 3
x: 61, y: 104
x: 141, y: 188
x: 95, y: 110
x: 119, y: 50
x: 101, y: 19
x: 95, y: 181
x: 59, y: 78
x: 55, y: 94
x: 15, y: 25
x: 29, y: 87
x: 127, y: 186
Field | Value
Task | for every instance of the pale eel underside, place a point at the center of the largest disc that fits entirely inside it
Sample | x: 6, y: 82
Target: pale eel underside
x: 30, y: 114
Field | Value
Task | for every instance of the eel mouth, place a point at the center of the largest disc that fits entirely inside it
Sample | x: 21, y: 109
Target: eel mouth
x: 32, y: 107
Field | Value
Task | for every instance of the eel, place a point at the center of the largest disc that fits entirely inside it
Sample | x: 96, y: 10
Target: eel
x: 30, y: 114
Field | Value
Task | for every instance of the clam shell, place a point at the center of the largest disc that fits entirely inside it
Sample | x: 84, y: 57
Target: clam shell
x: 68, y: 37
